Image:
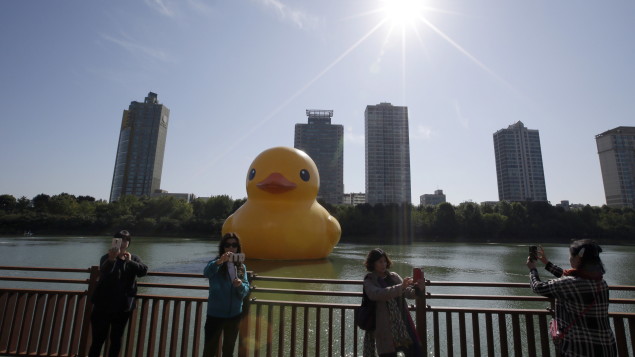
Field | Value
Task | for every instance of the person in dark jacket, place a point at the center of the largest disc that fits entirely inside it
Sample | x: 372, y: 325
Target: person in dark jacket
x: 114, y: 297
x: 228, y: 286
x: 581, y: 300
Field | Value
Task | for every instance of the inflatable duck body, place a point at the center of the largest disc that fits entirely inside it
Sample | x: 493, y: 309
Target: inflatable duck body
x: 281, y: 218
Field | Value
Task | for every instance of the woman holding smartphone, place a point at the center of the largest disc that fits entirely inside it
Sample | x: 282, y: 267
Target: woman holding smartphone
x: 581, y: 301
x: 395, y: 330
x: 228, y: 286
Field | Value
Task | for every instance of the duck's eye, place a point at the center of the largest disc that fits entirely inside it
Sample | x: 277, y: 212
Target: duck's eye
x: 304, y: 175
x: 252, y: 174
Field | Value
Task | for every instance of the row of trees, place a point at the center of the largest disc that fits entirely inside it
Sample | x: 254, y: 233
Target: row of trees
x: 168, y: 216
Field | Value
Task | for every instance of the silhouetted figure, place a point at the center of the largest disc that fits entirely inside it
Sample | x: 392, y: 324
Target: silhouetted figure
x: 114, y: 297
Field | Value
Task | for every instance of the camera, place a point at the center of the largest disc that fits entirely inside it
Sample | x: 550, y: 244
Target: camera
x: 237, y: 258
x: 533, y: 253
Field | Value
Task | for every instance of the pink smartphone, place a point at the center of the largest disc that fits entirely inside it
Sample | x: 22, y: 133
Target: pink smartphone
x: 417, y: 274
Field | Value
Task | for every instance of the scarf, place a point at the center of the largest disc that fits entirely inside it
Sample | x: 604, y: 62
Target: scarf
x: 397, y: 325
x: 578, y: 273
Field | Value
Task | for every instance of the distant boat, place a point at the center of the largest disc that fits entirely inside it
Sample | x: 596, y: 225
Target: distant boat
x: 28, y: 234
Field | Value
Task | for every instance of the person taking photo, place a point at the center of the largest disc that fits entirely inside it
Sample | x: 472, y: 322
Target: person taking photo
x: 581, y: 325
x: 114, y: 296
x: 228, y: 286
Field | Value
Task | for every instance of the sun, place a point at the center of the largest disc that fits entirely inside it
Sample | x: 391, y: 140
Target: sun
x: 402, y: 12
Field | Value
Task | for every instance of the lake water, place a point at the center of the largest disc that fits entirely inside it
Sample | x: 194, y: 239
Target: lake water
x: 440, y: 261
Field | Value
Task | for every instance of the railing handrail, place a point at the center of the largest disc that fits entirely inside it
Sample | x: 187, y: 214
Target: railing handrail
x: 51, y: 269
x: 256, y: 277
x: 44, y: 280
x: 262, y: 278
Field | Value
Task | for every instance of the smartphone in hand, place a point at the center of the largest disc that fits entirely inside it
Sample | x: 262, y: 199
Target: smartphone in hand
x: 533, y: 253
x: 116, y: 243
x: 417, y: 275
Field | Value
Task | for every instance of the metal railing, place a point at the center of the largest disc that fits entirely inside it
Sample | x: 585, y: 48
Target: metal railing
x: 498, y: 331
x: 39, y: 322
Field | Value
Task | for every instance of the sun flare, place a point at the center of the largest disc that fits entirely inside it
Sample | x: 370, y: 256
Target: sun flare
x: 402, y: 12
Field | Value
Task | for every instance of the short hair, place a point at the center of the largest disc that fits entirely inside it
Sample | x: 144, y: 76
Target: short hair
x: 373, y: 256
x: 123, y: 234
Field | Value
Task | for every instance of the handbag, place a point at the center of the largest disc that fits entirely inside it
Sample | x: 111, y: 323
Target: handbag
x: 554, y: 332
x: 365, y: 314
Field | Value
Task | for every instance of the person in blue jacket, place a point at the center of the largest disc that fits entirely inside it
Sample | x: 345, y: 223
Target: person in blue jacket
x: 228, y: 286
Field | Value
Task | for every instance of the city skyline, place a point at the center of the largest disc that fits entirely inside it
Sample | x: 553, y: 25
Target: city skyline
x: 238, y: 75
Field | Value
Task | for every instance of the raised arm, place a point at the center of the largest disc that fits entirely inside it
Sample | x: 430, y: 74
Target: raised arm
x: 211, y: 268
x: 377, y: 293
x: 138, y: 267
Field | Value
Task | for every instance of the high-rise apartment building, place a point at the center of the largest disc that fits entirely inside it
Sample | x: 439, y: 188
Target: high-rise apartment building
x: 519, y: 164
x: 324, y: 143
x: 616, y: 149
x: 139, y: 160
x: 387, y: 154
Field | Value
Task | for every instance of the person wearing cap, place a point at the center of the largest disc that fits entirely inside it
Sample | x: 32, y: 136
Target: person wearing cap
x: 114, y: 297
x: 581, y: 325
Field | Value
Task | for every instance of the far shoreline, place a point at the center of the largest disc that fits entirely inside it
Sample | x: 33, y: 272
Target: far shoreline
x: 370, y: 239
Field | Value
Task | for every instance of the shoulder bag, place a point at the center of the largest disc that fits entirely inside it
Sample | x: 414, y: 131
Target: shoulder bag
x: 365, y: 314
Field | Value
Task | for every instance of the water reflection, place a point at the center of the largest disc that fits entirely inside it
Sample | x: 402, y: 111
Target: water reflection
x: 322, y: 269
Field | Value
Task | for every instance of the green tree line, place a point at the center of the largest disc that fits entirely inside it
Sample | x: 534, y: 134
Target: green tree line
x: 168, y: 216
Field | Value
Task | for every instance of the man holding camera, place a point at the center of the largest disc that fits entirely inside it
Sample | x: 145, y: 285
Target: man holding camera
x: 114, y: 297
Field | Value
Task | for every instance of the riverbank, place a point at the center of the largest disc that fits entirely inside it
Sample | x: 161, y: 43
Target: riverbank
x: 372, y: 239
x: 467, y: 222
x: 479, y: 240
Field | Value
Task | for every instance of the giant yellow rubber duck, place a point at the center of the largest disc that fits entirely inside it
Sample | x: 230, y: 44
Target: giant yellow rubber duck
x: 281, y: 218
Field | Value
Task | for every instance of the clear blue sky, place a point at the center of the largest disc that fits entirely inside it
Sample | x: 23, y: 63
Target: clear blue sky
x: 237, y: 75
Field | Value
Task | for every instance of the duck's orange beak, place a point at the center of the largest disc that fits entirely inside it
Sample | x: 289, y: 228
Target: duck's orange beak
x: 276, y: 183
